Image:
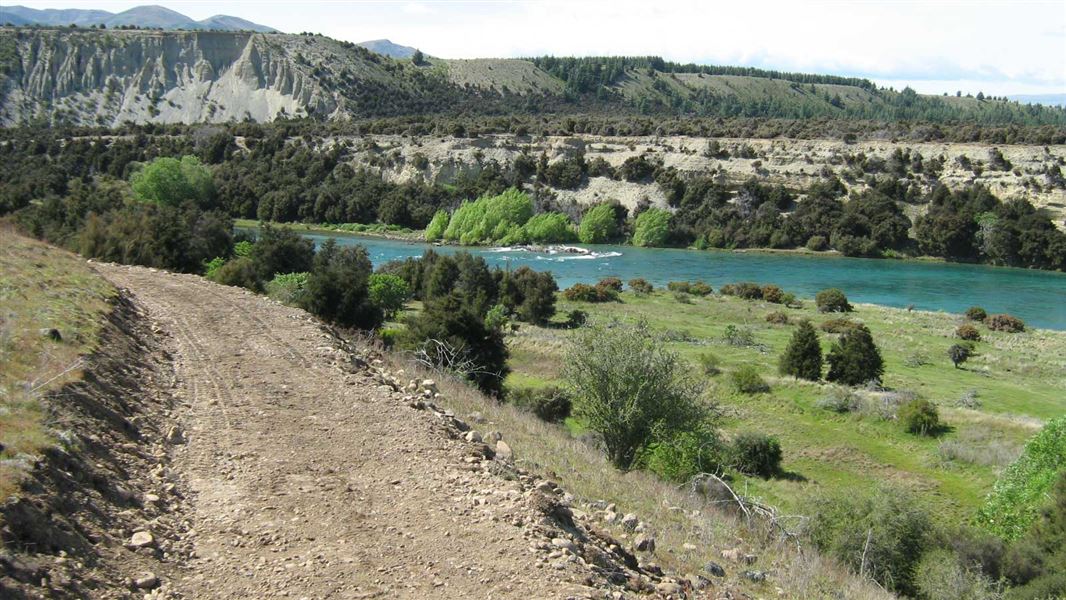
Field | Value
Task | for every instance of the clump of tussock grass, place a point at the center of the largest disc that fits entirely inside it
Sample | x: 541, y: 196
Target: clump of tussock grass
x: 980, y: 445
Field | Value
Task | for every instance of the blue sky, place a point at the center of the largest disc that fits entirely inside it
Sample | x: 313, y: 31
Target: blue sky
x: 1000, y: 48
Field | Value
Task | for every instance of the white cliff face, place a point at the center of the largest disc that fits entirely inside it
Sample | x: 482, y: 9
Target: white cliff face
x: 146, y: 76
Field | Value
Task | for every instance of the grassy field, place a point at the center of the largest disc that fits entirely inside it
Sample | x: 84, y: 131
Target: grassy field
x: 41, y: 289
x: 991, y: 405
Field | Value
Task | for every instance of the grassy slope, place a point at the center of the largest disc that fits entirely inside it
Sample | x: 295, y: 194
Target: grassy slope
x: 41, y: 287
x: 1018, y: 377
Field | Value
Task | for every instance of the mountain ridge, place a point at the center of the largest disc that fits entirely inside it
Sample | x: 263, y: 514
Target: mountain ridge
x: 147, y: 16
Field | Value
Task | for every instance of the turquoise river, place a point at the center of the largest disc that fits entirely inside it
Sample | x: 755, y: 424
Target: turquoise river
x: 1038, y: 297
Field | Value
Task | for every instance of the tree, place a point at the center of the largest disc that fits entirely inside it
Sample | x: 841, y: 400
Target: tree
x: 418, y: 59
x: 336, y: 288
x: 529, y: 294
x: 855, y: 359
x: 652, y: 228
x: 599, y: 225
x: 170, y: 181
x: 388, y: 293
x: 959, y: 353
x: 803, y: 355
x: 628, y: 388
x: 435, y: 229
x: 281, y: 250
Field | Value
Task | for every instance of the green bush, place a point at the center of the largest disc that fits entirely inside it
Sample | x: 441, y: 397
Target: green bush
x: 529, y: 294
x: 683, y: 287
x: 388, y: 293
x: 599, y: 225
x: 1014, y: 503
x: 287, y: 288
x: 280, y: 250
x: 243, y: 248
x: 854, y: 359
x: 832, y: 300
x: 612, y: 283
x: 641, y: 286
x: 802, y: 357
x: 755, y: 454
x: 1007, y: 323
x: 685, y: 454
x: 629, y: 389
x: 437, y: 226
x: 651, y: 228
x: 773, y: 294
x: 581, y: 292
x: 747, y: 380
x: 839, y: 325
x: 777, y: 318
x: 576, y: 318
x: 710, y: 364
x: 212, y: 266
x: 941, y: 575
x: 919, y: 417
x: 745, y: 289
x: 976, y: 313
x: 817, y: 243
x: 489, y: 218
x: 544, y: 228
x: 337, y: 290
x: 171, y: 181
x: 960, y: 353
x: 882, y: 535
x: 701, y: 289
x: 1034, y: 563
x: 551, y: 404
x: 496, y: 317
x: 968, y: 332
x: 738, y: 336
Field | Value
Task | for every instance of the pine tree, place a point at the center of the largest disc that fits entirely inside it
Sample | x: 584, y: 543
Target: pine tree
x: 855, y: 359
x: 803, y: 355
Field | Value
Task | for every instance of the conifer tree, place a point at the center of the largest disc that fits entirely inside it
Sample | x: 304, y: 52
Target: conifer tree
x: 803, y: 355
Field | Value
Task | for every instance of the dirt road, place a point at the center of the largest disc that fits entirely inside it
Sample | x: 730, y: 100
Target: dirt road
x: 307, y: 479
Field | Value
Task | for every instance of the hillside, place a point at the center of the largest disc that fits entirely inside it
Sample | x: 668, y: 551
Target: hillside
x: 107, y: 77
x: 145, y: 17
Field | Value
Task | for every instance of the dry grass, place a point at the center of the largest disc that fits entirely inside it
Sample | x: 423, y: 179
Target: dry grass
x: 674, y: 514
x: 41, y: 288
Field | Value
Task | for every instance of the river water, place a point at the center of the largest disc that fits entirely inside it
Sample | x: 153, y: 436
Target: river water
x: 1038, y: 297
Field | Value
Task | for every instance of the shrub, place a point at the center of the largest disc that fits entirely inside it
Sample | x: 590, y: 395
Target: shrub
x: 544, y: 228
x: 976, y: 313
x: 551, y: 404
x: 576, y: 318
x: 613, y: 283
x: 651, y: 228
x: 701, y: 288
x: 599, y: 225
x: 685, y: 454
x: 959, y: 353
x: 337, y: 287
x: 747, y: 380
x: 437, y: 226
x: 882, y: 535
x: 777, y: 318
x: 683, y: 287
x: 1034, y: 562
x: 212, y: 266
x: 580, y: 292
x: 803, y: 355
x: 1016, y: 498
x: 171, y: 181
x: 854, y: 359
x: 746, y: 290
x: 817, y: 243
x: 388, y: 293
x: 839, y: 401
x: 628, y: 388
x: 1007, y: 323
x: 839, y: 325
x: 529, y: 294
x: 641, y: 286
x: 920, y: 417
x: 243, y: 248
x: 239, y: 272
x: 709, y: 364
x: 832, y: 300
x: 683, y: 298
x: 489, y: 218
x: 773, y: 294
x: 789, y: 299
x: 941, y: 575
x: 756, y: 454
x: 496, y: 318
x: 287, y: 288
x: 281, y: 250
x: 968, y: 332
x: 738, y: 336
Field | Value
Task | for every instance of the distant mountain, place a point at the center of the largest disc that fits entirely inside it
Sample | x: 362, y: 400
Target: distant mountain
x: 1045, y: 99
x: 387, y: 48
x: 140, y: 16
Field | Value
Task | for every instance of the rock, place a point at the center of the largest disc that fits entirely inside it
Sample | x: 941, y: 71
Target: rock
x: 142, y: 539
x: 146, y: 581
x: 698, y: 582
x: 473, y: 436
x: 546, y: 487
x: 668, y: 588
x: 630, y: 522
x: 755, y: 576
x: 564, y: 544
x: 644, y: 543
x: 476, y: 417
x: 503, y: 451
x: 151, y: 499
x: 732, y: 554
x: 493, y: 436
x: 749, y: 559
x: 175, y: 435
x: 430, y: 386
x: 688, y: 546
x: 714, y: 569
x: 610, y: 517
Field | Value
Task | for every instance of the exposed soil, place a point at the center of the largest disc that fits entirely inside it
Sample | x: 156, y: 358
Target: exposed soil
x: 298, y: 470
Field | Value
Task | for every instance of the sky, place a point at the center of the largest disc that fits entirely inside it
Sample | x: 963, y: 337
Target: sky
x: 934, y: 46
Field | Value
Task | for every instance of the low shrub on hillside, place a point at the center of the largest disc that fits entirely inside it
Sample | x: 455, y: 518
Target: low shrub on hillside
x: 742, y: 337
x: 773, y: 294
x: 641, y: 286
x: 817, y: 243
x: 832, y: 300
x: 968, y: 332
x: 287, y: 288
x: 838, y: 325
x: 551, y: 404
x: 745, y: 289
x: 854, y: 359
x: 613, y: 283
x: 576, y: 318
x: 976, y: 313
x: 747, y: 380
x: 802, y: 357
x: 920, y: 417
x: 685, y: 454
x: 683, y: 287
x: 1004, y: 322
x: 777, y: 318
x: 1034, y: 563
x: 755, y: 454
x: 710, y: 364
x: 943, y: 575
x: 581, y: 292
x: 701, y: 288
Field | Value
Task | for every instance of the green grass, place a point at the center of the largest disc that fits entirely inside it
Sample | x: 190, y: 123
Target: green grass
x: 1018, y: 378
x: 41, y: 287
x: 371, y: 230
